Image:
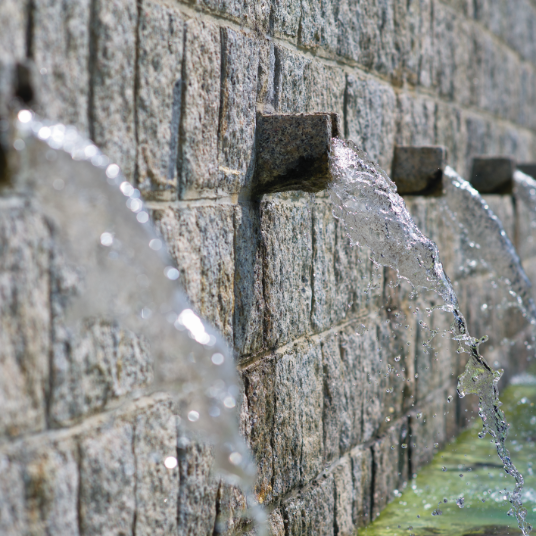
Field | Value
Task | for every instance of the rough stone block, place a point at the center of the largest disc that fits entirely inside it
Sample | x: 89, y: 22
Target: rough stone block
x: 416, y: 120
x: 231, y: 504
x: 51, y: 482
x: 248, y: 327
x: 13, y: 24
x: 312, y: 511
x: 60, y: 47
x: 418, y: 170
x: 285, y: 18
x: 383, y: 34
x: 317, y: 25
x: 450, y: 132
x: 157, y: 486
x: 297, y: 435
x: 107, y: 503
x: 362, y: 484
x: 254, y: 15
x: 198, y: 150
x: 237, y: 114
x: 341, y: 413
x: 198, y: 489
x: 344, y: 497
x: 347, y: 20
x: 25, y: 251
x: 419, y: 60
x: 12, y: 495
x: 266, y: 74
x: 287, y: 255
x: 290, y: 92
x: 492, y: 174
x: 390, y: 466
x: 161, y: 36
x: 112, y: 78
x: 259, y: 385
x: 99, y: 364
x: 200, y: 239
x: 370, y: 118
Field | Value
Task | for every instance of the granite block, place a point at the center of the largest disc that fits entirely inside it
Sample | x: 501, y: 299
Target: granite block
x: 158, y: 105
x: 13, y: 520
x: 344, y: 497
x: 290, y: 90
x: 362, y: 467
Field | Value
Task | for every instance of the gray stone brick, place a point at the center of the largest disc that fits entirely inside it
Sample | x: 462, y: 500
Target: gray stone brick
x: 344, y: 497
x: 231, y: 504
x: 60, y: 47
x: 107, y: 503
x: 158, y: 105
x: 198, y: 149
x: 24, y: 318
x: 341, y: 413
x: 370, y: 118
x: 312, y: 510
x: 287, y: 246
x: 450, y: 132
x: 198, y: 489
x: 419, y: 62
x: 324, y: 88
x: 13, y: 19
x: 254, y: 15
x: 266, y: 74
x: 259, y: 384
x: 317, y: 26
x: 51, y: 482
x: 112, y: 79
x: 12, y: 495
x: 297, y: 436
x: 362, y: 484
x: 200, y: 239
x: 248, y: 327
x: 98, y: 365
x: 157, y: 487
x: 285, y: 18
x: 416, y: 120
x: 290, y: 86
x: 347, y: 19
x: 277, y: 525
x: 237, y: 114
x: 390, y: 466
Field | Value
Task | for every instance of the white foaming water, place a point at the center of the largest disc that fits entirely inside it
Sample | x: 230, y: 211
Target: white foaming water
x: 104, y: 231
x: 365, y: 200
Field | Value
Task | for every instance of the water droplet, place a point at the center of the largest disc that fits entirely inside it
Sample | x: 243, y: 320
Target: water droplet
x: 387, y: 419
x: 218, y: 359
x: 444, y: 469
x: 419, y: 415
x: 171, y: 462
x: 436, y: 445
x: 404, y: 446
x: 397, y: 358
x: 437, y: 512
x: 106, y: 239
x: 143, y: 217
x: 193, y: 416
x: 235, y: 458
x: 460, y: 502
x: 112, y: 171
x: 171, y: 273
x: 24, y: 116
x: 155, y: 244
x: 229, y: 402
x: 449, y: 399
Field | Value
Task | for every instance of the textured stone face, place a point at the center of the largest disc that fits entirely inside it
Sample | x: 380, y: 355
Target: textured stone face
x: 60, y: 48
x: 107, y: 480
x: 158, y: 106
x: 24, y: 318
x: 198, y: 152
x: 112, y: 80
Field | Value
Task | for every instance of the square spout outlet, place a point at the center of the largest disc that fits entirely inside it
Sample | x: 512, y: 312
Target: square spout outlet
x: 292, y: 152
x: 419, y: 170
x: 493, y: 174
x: 529, y: 168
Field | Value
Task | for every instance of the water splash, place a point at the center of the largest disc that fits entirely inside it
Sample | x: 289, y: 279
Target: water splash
x: 127, y: 277
x: 366, y: 201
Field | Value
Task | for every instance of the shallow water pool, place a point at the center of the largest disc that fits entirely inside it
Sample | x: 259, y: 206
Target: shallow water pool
x: 462, y: 491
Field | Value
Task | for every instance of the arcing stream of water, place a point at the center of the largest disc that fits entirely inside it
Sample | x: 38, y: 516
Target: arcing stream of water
x: 375, y: 216
x: 127, y: 277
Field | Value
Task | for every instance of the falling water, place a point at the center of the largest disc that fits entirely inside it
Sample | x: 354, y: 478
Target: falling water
x: 127, y: 277
x: 365, y: 199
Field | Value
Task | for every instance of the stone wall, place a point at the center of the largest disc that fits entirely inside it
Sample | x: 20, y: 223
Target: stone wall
x: 170, y: 91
